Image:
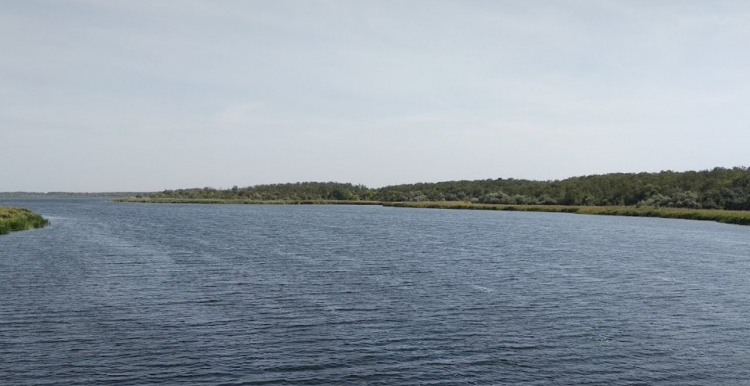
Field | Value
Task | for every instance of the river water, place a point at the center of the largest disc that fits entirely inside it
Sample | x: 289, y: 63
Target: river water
x: 135, y: 294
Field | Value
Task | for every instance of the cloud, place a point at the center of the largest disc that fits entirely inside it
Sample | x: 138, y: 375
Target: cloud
x: 374, y: 92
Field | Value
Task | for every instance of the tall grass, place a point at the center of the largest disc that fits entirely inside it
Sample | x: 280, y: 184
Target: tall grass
x: 722, y: 216
x: 19, y: 219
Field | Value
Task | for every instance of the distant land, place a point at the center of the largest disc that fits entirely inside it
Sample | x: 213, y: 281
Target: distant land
x: 24, y: 195
x: 720, y: 194
x: 718, y: 188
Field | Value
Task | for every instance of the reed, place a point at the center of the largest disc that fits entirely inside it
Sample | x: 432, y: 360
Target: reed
x: 722, y: 216
x: 19, y: 219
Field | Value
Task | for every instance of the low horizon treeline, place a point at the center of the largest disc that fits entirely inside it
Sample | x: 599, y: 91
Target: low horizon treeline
x: 22, y: 195
x: 298, y: 191
x: 719, y: 188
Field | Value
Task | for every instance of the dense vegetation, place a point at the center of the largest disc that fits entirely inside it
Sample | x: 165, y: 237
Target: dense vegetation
x: 18, y: 219
x: 720, y: 188
x: 300, y: 191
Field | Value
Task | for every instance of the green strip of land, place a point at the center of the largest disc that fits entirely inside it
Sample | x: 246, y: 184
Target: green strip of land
x: 19, y: 219
x: 722, y: 216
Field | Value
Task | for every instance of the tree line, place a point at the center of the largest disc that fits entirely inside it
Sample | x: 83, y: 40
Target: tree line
x: 719, y: 188
x: 303, y: 191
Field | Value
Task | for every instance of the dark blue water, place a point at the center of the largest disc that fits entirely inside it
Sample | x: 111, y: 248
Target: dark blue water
x: 138, y: 294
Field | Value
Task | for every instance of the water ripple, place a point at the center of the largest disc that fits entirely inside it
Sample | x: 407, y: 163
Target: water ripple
x: 303, y: 295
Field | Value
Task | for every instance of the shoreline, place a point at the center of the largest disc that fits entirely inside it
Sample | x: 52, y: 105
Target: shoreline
x: 717, y: 215
x: 19, y: 219
x: 242, y: 202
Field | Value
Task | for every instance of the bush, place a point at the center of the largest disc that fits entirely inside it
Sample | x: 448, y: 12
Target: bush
x: 17, y: 219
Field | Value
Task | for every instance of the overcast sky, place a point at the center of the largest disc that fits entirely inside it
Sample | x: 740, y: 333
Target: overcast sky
x: 150, y: 95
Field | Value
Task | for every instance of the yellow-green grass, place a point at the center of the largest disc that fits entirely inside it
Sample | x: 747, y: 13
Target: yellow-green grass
x: 722, y: 216
x: 19, y: 219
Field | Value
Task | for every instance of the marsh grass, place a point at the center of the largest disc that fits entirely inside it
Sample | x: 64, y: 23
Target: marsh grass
x: 723, y: 216
x: 19, y: 219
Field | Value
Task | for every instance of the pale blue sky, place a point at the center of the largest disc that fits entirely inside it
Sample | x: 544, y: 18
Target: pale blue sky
x: 150, y: 95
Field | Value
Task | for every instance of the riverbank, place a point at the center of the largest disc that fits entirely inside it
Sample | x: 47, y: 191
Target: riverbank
x: 19, y: 219
x: 722, y: 216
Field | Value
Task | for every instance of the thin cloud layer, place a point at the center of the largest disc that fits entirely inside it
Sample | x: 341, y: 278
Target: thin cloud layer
x: 126, y: 95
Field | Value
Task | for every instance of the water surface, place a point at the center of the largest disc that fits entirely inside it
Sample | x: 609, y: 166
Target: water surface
x: 137, y: 294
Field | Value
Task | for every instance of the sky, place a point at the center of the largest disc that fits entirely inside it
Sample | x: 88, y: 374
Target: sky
x: 152, y: 95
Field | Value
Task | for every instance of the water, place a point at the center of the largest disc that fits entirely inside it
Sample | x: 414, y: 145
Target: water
x: 136, y: 294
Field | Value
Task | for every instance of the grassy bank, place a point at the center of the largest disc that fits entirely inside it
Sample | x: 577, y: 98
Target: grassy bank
x: 722, y: 216
x: 18, y: 219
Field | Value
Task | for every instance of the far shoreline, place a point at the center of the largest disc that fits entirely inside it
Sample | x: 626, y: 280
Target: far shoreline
x: 717, y: 215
